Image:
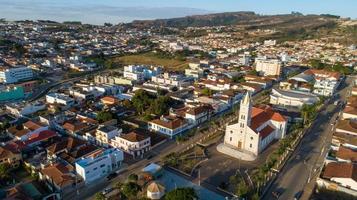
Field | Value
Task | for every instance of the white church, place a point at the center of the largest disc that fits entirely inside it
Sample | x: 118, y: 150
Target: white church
x: 255, y: 130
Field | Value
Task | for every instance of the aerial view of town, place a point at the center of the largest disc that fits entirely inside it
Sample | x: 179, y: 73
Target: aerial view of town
x: 186, y: 100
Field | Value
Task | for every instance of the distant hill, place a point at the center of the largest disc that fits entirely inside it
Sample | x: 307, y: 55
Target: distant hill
x: 235, y: 18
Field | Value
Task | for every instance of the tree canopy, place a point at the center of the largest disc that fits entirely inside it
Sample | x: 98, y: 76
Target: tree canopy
x: 104, y: 116
x: 181, y: 193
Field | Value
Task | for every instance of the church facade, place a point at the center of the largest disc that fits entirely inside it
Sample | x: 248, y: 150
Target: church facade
x: 256, y: 128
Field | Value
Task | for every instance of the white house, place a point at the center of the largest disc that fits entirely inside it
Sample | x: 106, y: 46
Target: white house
x: 155, y: 191
x: 169, y: 125
x: 256, y: 128
x: 99, y: 164
x: 58, y: 98
x: 132, y: 143
x: 344, y: 174
x: 105, y: 134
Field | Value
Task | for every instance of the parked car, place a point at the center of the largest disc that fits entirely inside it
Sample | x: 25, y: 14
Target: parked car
x: 298, y: 195
x: 107, y: 190
x: 276, y: 194
x: 112, y: 175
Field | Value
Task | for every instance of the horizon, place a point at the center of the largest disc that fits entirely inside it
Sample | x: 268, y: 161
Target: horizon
x: 111, y: 11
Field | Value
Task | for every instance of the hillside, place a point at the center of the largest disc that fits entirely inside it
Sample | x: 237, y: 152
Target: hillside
x: 245, y: 19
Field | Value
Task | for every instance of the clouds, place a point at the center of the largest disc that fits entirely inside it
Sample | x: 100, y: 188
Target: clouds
x: 88, y: 13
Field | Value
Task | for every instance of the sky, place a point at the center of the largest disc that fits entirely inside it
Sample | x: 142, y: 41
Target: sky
x: 116, y: 11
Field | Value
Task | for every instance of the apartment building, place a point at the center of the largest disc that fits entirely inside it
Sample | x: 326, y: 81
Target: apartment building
x: 15, y: 74
x: 268, y: 67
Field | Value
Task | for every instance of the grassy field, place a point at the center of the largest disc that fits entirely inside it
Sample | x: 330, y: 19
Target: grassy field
x: 152, y: 59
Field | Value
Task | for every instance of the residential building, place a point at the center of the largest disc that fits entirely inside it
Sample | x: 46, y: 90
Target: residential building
x: 133, y: 143
x: 169, y: 125
x: 58, y: 98
x: 27, y: 129
x: 105, y: 134
x: 341, y: 173
x: 268, y: 67
x: 59, y: 177
x: 16, y: 74
x: 99, y: 164
x: 10, y: 156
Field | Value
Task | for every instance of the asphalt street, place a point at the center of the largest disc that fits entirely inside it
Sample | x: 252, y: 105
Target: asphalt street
x: 303, y: 165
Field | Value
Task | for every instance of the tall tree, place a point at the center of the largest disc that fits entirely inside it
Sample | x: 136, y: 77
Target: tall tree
x: 181, y: 193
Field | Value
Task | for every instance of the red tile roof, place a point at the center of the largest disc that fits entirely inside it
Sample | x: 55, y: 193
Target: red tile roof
x: 266, y: 131
x: 340, y: 170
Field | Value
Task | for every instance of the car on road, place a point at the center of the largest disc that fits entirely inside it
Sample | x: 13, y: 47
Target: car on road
x: 298, y: 195
x: 107, y: 190
x: 112, y: 175
x: 149, y: 157
x: 276, y: 194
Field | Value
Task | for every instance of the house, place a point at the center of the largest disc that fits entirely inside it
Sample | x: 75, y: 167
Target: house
x: 347, y: 126
x: 349, y: 112
x: 326, y: 82
x: 10, y: 156
x: 169, y: 125
x: 26, y: 130
x: 256, y: 128
x: 58, y: 98
x: 155, y: 190
x: 344, y: 174
x: 59, y: 177
x: 345, y: 154
x: 109, y: 100
x: 99, y: 164
x: 344, y: 139
x: 194, y: 114
x: 133, y: 143
x: 36, y: 139
x: 70, y: 149
x: 105, y: 134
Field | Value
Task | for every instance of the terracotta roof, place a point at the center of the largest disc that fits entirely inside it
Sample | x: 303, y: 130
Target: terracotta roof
x: 350, y: 110
x: 17, y: 132
x: 60, y: 174
x: 31, y: 125
x: 347, y: 125
x: 198, y: 110
x: 345, y: 138
x: 266, y: 131
x: 340, y: 170
x: 170, y: 122
x: 74, y: 127
x: 155, y: 187
x: 134, y: 137
x: 346, y: 154
x: 37, y: 137
x: 6, y: 152
x: 260, y: 116
x: 68, y: 143
x: 317, y: 72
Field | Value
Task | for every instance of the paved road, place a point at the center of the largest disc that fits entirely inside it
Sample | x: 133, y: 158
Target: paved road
x: 304, y: 163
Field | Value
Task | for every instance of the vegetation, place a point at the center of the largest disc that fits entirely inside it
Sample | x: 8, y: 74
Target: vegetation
x: 131, y: 190
x: 4, y: 173
x: 99, y: 196
x: 152, y: 59
x: 337, y: 67
x: 133, y: 178
x: 104, y: 116
x: 147, y: 104
x: 181, y: 194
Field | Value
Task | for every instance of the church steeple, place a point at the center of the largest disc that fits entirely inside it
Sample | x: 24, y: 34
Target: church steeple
x: 245, y: 111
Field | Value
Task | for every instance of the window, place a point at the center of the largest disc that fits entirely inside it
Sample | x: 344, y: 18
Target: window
x: 250, y: 145
x: 102, y: 165
x: 251, y: 138
x: 230, y: 139
x: 95, y: 168
x: 231, y: 132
